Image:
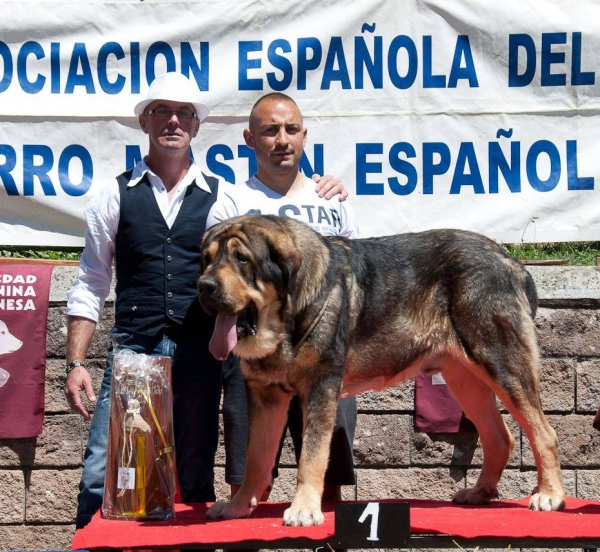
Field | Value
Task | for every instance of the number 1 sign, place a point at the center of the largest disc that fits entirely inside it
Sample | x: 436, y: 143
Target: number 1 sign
x: 373, y: 524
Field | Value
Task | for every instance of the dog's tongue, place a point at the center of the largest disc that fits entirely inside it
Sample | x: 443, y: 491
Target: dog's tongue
x: 224, y: 336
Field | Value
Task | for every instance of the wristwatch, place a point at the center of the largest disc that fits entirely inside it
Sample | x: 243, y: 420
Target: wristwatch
x: 72, y: 365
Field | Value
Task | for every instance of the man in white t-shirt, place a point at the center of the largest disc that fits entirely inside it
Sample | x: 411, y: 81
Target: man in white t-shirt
x: 329, y: 217
x: 277, y: 134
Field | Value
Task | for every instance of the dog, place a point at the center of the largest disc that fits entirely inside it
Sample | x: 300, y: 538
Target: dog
x: 326, y: 317
x: 8, y: 344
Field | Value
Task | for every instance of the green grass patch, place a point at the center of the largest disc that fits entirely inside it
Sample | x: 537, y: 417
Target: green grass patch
x: 17, y: 252
x: 577, y: 253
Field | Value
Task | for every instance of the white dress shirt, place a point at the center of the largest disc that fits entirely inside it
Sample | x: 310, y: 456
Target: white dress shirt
x: 92, y: 285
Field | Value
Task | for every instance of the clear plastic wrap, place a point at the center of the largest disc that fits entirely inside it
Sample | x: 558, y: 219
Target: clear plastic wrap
x: 140, y: 466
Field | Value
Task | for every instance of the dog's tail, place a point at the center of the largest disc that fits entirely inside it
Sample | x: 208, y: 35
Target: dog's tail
x: 531, y: 292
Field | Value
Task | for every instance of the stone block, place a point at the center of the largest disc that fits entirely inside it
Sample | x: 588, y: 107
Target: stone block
x: 56, y: 403
x: 56, y: 339
x: 588, y: 484
x: 563, y: 284
x: 62, y: 281
x: 36, y: 537
x: 557, y: 384
x: 458, y: 449
x: 54, y: 396
x: 63, y: 277
x: 16, y: 453
x: 52, y: 496
x: 432, y: 484
x: 61, y: 442
x: 445, y: 448
x: 579, y: 442
x: 12, y: 497
x: 382, y: 440
x: 400, y: 398
x: 568, y: 332
x: 588, y: 386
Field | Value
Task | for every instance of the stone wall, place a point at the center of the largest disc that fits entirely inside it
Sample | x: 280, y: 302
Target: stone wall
x: 39, y: 477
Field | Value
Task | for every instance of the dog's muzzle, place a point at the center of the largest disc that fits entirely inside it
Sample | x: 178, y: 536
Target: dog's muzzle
x: 207, y: 293
x: 229, y: 326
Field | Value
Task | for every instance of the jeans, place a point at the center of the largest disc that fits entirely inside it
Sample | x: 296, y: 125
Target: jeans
x: 196, y: 383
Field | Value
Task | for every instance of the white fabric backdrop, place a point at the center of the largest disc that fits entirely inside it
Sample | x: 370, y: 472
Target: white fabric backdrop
x: 450, y: 89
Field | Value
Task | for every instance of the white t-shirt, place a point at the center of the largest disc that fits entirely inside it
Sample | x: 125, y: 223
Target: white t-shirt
x: 329, y: 217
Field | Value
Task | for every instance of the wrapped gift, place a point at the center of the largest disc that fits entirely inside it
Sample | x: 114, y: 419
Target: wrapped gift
x: 140, y: 465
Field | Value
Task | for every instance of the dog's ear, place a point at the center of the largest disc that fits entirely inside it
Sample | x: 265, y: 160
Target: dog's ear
x: 284, y: 252
x: 302, y: 258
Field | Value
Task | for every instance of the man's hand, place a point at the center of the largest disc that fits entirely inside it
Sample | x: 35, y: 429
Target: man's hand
x: 329, y: 186
x: 79, y: 380
x: 79, y: 334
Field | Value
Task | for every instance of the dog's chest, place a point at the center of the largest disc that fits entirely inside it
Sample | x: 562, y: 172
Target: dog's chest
x: 265, y: 372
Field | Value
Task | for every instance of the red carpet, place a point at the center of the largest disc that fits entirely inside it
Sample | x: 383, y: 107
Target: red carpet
x: 581, y: 519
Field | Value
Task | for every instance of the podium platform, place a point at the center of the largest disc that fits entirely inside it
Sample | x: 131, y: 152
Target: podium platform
x: 433, y: 524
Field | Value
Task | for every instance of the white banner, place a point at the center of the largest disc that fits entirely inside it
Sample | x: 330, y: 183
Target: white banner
x: 434, y: 113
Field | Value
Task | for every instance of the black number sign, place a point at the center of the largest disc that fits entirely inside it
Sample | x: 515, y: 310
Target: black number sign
x: 373, y: 524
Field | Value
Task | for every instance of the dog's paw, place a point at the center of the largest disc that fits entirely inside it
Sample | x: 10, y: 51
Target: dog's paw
x: 543, y: 502
x: 476, y: 495
x: 219, y: 510
x: 228, y: 510
x: 303, y: 517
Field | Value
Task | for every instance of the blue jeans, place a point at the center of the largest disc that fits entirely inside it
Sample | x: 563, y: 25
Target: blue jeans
x: 196, y: 383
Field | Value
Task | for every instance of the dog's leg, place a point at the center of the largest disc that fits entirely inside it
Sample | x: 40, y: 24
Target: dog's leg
x: 503, y: 342
x: 525, y: 406
x: 319, y: 420
x: 267, y: 409
x: 479, y: 404
x: 518, y: 390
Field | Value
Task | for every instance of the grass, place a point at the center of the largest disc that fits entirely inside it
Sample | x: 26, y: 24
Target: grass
x: 17, y: 252
x: 577, y: 253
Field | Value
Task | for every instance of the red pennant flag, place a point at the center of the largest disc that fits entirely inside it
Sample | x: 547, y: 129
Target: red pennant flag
x: 24, y: 292
x: 436, y: 410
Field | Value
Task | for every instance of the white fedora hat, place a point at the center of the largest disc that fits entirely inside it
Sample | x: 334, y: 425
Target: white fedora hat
x: 173, y: 87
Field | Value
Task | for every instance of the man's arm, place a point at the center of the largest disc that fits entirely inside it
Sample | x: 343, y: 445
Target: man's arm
x: 225, y: 207
x: 329, y: 186
x: 79, y: 335
x: 85, y: 299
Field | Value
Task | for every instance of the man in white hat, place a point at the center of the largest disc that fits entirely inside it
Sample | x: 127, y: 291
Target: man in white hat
x: 150, y: 221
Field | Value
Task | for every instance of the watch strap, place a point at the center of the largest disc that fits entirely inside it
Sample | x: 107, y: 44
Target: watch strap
x: 75, y: 364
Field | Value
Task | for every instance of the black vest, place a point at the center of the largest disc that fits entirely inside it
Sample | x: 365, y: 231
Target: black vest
x: 157, y: 268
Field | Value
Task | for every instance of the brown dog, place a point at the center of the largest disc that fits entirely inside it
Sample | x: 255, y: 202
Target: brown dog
x: 326, y: 317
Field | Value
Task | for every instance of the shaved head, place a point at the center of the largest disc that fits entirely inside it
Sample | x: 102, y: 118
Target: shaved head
x: 272, y: 96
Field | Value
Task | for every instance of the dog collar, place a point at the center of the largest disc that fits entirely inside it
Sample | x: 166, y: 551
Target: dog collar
x: 313, y: 324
